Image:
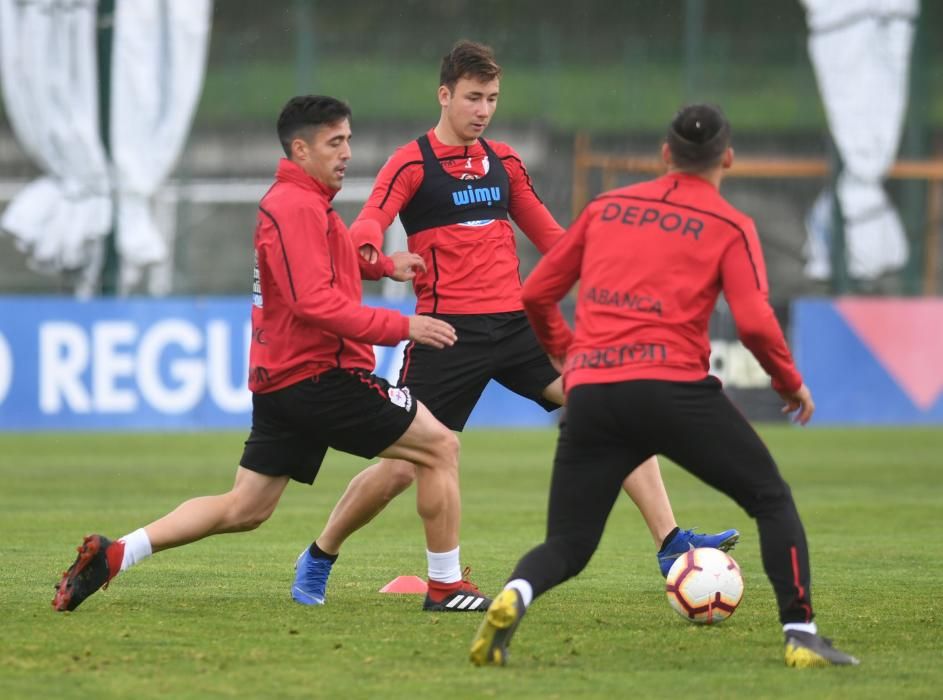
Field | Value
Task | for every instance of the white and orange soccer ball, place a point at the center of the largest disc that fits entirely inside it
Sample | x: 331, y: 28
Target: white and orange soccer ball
x: 704, y: 585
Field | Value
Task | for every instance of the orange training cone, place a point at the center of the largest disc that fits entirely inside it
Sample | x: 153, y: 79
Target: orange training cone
x: 405, y: 584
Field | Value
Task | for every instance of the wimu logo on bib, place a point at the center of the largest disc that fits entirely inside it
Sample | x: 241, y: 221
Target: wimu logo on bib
x: 476, y: 195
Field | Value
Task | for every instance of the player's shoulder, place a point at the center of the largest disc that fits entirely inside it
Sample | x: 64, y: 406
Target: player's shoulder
x: 638, y: 190
x: 503, y: 149
x: 723, y: 209
x: 280, y: 195
x: 725, y: 215
x: 287, y: 199
x: 408, y: 152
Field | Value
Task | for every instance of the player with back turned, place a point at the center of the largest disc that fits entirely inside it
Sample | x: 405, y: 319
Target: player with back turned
x: 637, y: 381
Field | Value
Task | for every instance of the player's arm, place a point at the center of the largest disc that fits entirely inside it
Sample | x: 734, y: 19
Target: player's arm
x: 367, y: 233
x: 539, y: 226
x: 374, y: 267
x: 395, y: 185
x: 551, y: 279
x: 302, y: 268
x: 526, y: 208
x: 743, y: 275
x: 400, y: 266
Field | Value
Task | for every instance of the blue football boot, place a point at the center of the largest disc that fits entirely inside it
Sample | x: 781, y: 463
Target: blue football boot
x: 685, y: 540
x: 310, y: 579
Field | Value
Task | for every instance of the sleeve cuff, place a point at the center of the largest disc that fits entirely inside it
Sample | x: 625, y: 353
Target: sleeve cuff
x: 790, y: 386
x: 363, y: 233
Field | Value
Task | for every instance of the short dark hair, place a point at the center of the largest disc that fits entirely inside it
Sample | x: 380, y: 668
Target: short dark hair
x: 305, y: 112
x: 698, y: 137
x: 468, y: 59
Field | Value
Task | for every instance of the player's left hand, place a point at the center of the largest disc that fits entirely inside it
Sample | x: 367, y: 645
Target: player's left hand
x: 799, y: 403
x: 405, y: 265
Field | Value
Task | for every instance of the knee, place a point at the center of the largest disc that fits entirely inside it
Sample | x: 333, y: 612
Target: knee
x: 573, y: 552
x: 247, y: 515
x: 399, y: 477
x: 447, y: 448
x: 767, y: 500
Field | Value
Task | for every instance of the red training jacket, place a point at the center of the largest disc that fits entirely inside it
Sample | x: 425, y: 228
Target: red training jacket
x: 307, y: 315
x: 473, y: 268
x: 651, y: 259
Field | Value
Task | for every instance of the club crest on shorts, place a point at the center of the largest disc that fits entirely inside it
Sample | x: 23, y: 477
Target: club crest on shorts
x: 401, y: 397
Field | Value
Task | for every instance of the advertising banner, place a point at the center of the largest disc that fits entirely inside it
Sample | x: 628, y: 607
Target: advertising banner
x: 144, y: 364
x: 872, y: 361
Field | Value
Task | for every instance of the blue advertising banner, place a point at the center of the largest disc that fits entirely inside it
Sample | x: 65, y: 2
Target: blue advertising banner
x: 143, y: 364
x: 871, y: 361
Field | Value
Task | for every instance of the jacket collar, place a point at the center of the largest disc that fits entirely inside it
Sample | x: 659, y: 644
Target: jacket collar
x: 289, y: 171
x: 689, y: 178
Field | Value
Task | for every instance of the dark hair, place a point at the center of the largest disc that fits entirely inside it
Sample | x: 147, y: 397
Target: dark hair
x: 468, y: 59
x: 698, y: 137
x: 306, y: 112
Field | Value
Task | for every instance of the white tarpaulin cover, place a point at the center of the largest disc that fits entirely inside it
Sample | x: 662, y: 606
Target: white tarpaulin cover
x: 860, y: 50
x: 49, y: 74
x: 158, y: 61
x: 50, y: 89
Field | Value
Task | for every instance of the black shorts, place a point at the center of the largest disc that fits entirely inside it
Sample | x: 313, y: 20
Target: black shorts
x: 347, y: 409
x: 501, y: 346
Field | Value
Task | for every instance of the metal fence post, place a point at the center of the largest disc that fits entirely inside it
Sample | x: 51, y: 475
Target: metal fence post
x: 105, y: 34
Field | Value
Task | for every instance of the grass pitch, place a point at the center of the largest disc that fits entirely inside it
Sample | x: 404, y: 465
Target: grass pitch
x: 214, y: 619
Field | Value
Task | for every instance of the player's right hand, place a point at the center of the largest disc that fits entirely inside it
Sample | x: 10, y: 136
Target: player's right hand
x: 558, y: 362
x: 431, y: 331
x: 405, y: 266
x: 799, y: 402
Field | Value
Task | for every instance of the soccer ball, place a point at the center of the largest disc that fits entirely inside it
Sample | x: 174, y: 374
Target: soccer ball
x: 704, y: 585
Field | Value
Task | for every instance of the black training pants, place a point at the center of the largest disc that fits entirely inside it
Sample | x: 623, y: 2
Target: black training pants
x: 612, y: 428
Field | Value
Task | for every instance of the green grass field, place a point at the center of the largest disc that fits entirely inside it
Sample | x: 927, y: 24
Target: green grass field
x: 215, y: 620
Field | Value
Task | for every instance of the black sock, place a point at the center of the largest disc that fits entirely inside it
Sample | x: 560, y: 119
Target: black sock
x: 668, y: 539
x: 319, y: 553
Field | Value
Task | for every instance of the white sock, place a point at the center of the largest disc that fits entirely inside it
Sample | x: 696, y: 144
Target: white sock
x: 524, y: 588
x: 137, y: 547
x: 809, y: 627
x: 444, y: 567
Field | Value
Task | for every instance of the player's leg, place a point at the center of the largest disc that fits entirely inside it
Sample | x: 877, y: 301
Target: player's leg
x: 526, y: 370
x: 644, y: 485
x: 247, y: 505
x: 709, y: 437
x: 367, y: 494
x: 448, y: 382
x: 362, y: 414
x: 589, y: 467
x: 647, y: 491
x: 274, y: 453
x: 434, y: 449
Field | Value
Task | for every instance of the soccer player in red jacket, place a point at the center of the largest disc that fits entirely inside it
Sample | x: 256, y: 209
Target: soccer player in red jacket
x: 455, y: 192
x: 651, y: 260
x: 311, y: 362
